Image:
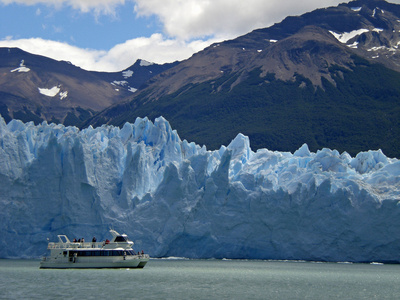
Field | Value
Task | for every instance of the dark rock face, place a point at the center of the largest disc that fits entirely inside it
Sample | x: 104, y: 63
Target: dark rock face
x: 36, y: 88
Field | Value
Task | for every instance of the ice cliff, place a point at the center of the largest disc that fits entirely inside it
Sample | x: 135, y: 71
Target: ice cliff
x: 175, y: 198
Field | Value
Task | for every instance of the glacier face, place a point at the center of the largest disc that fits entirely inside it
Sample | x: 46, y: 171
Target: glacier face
x: 175, y: 198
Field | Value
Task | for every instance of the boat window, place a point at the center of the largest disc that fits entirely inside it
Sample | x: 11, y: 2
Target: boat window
x: 120, y: 238
x: 115, y: 253
x: 79, y: 253
x: 100, y: 253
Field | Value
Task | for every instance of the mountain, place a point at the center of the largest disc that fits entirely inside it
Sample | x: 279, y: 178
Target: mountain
x: 328, y: 78
x: 36, y: 88
x: 134, y: 77
x: 175, y: 198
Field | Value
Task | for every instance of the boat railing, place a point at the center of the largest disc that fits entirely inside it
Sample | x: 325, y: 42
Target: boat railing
x: 59, y: 245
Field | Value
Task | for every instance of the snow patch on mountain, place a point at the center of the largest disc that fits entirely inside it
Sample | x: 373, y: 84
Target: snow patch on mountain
x: 63, y: 95
x: 175, y: 198
x: 145, y: 63
x: 132, y: 89
x: 347, y: 36
x: 52, y: 92
x: 126, y: 74
x: 354, y: 45
x: 119, y: 82
x: 391, y: 49
x: 124, y: 83
x: 376, y: 10
x: 21, y: 68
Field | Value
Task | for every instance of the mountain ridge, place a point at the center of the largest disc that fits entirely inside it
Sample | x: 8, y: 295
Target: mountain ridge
x: 57, y: 91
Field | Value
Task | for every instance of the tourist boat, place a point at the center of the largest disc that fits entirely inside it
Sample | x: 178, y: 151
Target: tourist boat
x: 117, y: 253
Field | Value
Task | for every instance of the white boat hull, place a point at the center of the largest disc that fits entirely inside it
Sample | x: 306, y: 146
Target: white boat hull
x: 93, y: 263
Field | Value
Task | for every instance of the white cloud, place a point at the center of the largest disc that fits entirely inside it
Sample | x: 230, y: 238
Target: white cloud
x: 96, y: 6
x: 188, y: 19
x: 156, y: 49
x: 84, y: 58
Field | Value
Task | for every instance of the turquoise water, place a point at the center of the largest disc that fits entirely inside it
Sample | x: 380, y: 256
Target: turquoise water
x: 203, y: 279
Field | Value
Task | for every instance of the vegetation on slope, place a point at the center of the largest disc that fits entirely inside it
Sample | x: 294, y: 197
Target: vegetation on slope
x: 357, y: 112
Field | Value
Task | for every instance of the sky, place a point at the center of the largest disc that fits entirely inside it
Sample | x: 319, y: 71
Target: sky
x: 110, y: 35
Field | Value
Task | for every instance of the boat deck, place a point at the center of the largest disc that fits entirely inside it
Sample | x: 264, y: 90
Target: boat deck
x: 53, y: 245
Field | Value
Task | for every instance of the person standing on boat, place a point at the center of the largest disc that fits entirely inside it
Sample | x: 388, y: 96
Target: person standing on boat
x: 94, y: 242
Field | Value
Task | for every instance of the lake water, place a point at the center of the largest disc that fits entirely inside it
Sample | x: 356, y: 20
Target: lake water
x: 203, y: 279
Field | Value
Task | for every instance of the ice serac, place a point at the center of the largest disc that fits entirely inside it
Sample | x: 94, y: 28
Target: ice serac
x: 175, y: 198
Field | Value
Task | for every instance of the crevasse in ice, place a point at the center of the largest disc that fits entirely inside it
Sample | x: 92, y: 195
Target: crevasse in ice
x: 175, y: 198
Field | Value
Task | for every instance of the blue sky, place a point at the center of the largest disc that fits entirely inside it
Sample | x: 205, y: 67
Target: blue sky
x: 84, y: 29
x: 109, y: 35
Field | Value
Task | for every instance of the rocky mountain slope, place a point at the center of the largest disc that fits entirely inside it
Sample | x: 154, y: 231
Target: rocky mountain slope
x: 36, y: 88
x: 328, y: 78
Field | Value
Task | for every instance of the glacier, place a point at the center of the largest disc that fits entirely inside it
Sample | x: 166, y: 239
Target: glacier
x: 176, y: 198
